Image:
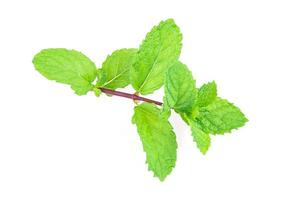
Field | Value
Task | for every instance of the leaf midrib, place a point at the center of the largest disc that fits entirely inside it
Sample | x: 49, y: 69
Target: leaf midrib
x: 110, y: 81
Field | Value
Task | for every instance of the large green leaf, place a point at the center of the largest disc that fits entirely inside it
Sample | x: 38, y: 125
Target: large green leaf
x: 115, y: 69
x: 179, y: 88
x: 160, y: 49
x: 220, y: 117
x: 67, y: 66
x: 158, y: 139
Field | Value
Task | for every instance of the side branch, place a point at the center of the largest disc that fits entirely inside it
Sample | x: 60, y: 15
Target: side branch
x: 129, y: 96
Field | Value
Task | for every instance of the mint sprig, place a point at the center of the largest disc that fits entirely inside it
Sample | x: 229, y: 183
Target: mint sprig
x: 154, y: 64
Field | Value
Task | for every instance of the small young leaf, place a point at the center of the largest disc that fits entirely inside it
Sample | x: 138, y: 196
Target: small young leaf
x: 220, y: 117
x: 179, y: 87
x: 115, y: 69
x: 158, y: 139
x: 96, y: 91
x: 160, y: 49
x: 165, y: 110
x: 207, y: 94
x: 201, y: 138
x: 67, y: 66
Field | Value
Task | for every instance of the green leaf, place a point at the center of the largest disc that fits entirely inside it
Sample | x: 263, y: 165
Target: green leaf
x: 67, y: 66
x: 115, y: 69
x: 201, y: 138
x: 220, y: 117
x: 158, y: 139
x: 160, y: 50
x: 179, y: 87
x: 207, y: 94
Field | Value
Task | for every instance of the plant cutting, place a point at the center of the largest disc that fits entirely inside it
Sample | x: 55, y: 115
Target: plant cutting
x: 153, y: 65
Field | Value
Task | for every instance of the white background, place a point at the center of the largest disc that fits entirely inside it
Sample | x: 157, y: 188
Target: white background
x: 56, y: 145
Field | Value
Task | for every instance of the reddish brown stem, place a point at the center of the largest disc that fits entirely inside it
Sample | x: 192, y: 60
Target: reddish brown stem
x: 129, y: 96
